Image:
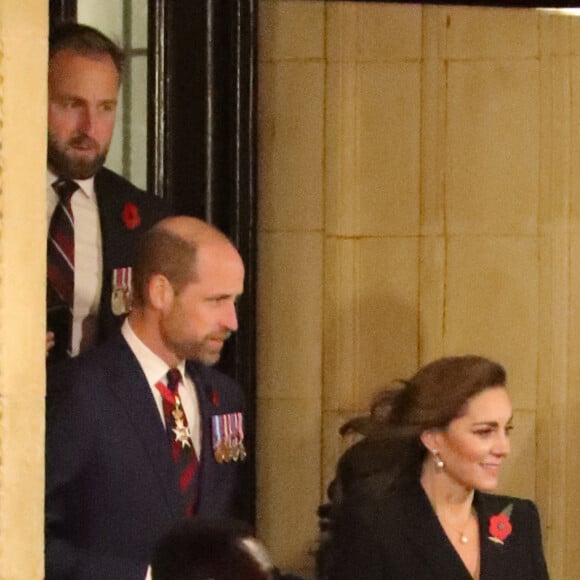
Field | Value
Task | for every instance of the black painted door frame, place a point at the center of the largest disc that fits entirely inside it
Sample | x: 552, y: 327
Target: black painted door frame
x: 202, y: 146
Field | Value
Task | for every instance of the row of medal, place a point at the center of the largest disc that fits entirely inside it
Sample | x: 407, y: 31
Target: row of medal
x: 228, y: 437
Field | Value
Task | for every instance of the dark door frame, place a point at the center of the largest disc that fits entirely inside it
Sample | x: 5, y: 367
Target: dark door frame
x: 202, y: 148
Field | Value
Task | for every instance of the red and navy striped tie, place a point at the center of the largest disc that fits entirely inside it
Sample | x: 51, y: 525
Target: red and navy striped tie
x: 61, y: 256
x: 184, y: 456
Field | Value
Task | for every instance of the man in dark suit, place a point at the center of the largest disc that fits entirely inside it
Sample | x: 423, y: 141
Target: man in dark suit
x: 127, y: 453
x: 108, y: 212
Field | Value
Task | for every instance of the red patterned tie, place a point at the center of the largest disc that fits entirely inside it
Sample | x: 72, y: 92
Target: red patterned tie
x: 182, y: 449
x: 61, y: 259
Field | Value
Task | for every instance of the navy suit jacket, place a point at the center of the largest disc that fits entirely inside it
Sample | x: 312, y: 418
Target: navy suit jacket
x: 400, y: 537
x: 119, y: 246
x: 111, y: 485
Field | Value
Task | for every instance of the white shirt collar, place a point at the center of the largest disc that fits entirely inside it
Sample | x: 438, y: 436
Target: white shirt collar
x: 153, y: 366
x: 87, y: 185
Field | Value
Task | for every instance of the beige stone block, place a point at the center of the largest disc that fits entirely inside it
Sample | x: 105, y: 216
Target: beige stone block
x: 574, y: 23
x: 569, y: 410
x: 492, y: 307
x: 371, y: 317
x: 342, y: 148
x: 556, y: 34
x: 493, y: 147
x: 333, y: 445
x: 574, y: 136
x: 384, y: 170
x: 342, y: 41
x: 556, y: 350
x: 24, y: 19
x: 388, y: 311
x: 288, y: 489
x: 433, y: 137
x: 434, y: 33
x: 291, y: 145
x: 289, y: 325
x: 373, y: 32
x: 572, y: 468
x: 476, y: 32
x: 573, y: 315
x: 519, y: 469
x: 389, y: 31
x: 22, y: 478
x: 389, y: 149
x: 557, y: 144
x: 23, y: 169
x: 432, y: 268
x: 23, y: 65
x: 289, y: 29
x: 341, y: 323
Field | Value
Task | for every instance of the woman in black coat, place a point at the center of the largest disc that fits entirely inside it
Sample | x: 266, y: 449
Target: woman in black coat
x: 412, y: 499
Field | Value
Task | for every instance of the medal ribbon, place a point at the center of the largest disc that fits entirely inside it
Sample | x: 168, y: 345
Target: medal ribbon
x: 228, y: 437
x: 182, y: 450
x: 167, y: 394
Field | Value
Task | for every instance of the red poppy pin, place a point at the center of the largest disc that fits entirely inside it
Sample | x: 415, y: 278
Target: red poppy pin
x: 215, y: 398
x: 131, y: 217
x: 500, y: 526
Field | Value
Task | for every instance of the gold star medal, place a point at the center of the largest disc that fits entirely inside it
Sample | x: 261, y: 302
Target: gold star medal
x: 181, y: 431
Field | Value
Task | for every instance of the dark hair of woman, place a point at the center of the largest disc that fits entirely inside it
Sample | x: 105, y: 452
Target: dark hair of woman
x: 390, y: 455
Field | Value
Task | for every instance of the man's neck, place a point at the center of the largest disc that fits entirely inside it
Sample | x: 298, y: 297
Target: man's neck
x: 146, y: 330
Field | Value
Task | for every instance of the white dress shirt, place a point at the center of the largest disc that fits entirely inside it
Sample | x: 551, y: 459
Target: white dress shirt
x: 88, y: 254
x: 155, y: 370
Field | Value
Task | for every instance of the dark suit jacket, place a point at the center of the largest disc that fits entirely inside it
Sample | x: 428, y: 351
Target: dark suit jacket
x: 119, y: 246
x: 400, y: 538
x: 111, y: 485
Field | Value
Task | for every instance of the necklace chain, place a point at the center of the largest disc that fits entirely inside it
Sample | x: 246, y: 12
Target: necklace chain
x: 463, y: 538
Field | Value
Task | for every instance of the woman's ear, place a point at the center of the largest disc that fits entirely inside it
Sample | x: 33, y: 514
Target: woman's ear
x: 429, y: 440
x: 160, y: 292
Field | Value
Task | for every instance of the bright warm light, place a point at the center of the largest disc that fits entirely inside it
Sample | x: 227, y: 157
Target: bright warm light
x: 568, y: 11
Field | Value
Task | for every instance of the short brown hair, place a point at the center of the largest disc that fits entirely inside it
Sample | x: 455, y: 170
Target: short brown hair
x: 163, y: 252
x: 84, y: 40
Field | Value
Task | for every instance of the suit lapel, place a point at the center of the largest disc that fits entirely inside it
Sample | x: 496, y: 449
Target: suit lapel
x: 114, y: 248
x: 105, y: 203
x: 205, y: 472
x: 131, y: 388
x: 494, y: 560
x: 421, y: 528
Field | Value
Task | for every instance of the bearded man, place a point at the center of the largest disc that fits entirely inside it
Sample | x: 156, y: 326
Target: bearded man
x: 94, y: 216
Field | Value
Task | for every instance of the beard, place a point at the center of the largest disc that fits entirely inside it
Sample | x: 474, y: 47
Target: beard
x: 205, y: 349
x: 198, y: 350
x: 66, y: 164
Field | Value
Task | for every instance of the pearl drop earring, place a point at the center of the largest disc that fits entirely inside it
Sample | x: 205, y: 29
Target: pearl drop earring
x: 438, y: 461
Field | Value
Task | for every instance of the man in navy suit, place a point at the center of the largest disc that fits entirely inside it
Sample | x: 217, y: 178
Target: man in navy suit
x: 109, y: 212
x: 113, y: 487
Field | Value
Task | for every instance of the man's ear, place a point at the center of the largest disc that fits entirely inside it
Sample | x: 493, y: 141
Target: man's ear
x: 160, y: 292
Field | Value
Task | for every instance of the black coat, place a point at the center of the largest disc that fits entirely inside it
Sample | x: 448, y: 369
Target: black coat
x: 400, y: 538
